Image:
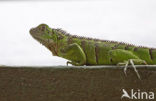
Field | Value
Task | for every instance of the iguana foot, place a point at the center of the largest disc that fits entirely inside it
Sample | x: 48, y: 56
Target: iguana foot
x: 136, y: 71
x: 132, y: 61
x: 126, y: 66
x: 68, y: 62
x: 73, y: 63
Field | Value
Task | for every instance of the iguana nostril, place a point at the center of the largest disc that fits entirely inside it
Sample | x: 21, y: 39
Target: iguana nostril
x: 31, y: 31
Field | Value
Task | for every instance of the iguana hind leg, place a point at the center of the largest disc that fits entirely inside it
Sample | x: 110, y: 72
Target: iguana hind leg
x: 124, y: 57
x: 132, y: 62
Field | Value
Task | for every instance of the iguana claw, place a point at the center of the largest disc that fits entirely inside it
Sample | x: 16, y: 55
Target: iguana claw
x: 130, y: 61
x: 68, y: 62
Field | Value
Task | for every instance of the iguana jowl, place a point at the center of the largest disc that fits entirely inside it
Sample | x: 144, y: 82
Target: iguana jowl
x: 88, y: 51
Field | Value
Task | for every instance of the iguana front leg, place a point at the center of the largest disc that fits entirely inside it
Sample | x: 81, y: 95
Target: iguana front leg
x: 124, y: 57
x: 75, y: 54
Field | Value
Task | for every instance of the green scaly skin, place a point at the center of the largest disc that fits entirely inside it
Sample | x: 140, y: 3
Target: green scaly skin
x: 87, y: 51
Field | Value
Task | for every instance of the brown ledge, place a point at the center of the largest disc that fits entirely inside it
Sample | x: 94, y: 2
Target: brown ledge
x: 72, y: 84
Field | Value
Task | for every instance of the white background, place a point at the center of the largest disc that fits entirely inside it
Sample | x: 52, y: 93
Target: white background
x: 132, y: 21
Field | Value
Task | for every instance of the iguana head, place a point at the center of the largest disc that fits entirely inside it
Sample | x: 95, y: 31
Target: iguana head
x: 45, y: 36
x: 42, y: 33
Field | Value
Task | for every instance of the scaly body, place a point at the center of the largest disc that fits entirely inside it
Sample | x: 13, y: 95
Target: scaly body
x: 89, y: 51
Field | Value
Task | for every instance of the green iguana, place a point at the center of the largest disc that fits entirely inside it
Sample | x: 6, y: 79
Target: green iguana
x: 88, y: 51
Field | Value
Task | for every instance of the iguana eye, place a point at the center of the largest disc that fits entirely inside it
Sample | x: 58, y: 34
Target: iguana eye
x: 43, y: 28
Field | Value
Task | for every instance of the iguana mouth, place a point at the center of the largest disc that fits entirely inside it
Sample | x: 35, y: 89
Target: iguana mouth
x: 34, y: 32
x: 36, y: 35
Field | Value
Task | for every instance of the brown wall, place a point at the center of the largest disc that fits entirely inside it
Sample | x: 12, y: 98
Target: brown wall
x: 72, y: 84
